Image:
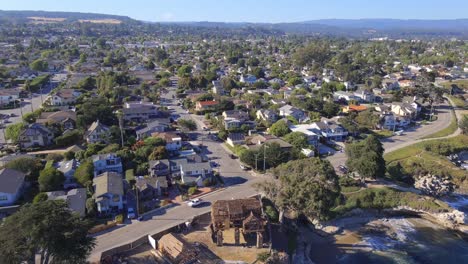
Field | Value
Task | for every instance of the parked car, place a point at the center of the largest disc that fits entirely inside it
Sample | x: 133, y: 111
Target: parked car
x: 343, y: 169
x: 243, y: 167
x: 195, y: 202
x: 130, y: 213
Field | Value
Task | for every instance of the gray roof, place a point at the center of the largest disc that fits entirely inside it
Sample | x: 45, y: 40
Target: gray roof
x: 154, y: 162
x: 67, y: 166
x: 97, y: 126
x: 11, y: 180
x: 36, y: 130
x: 108, y: 183
x: 236, y: 136
x: 75, y: 198
x: 105, y: 156
x: 198, y: 166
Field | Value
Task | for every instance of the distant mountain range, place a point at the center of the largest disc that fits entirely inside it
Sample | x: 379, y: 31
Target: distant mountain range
x: 334, y: 27
x: 21, y: 16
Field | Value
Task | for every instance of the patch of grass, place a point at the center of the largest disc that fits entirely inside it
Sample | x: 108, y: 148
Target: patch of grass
x: 129, y: 175
x: 462, y: 84
x: 459, y: 102
x: 446, y: 131
x: 429, y: 157
x: 385, y: 198
x: 349, y: 189
x: 383, y: 133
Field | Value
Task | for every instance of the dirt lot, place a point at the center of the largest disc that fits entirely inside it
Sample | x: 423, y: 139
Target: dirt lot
x: 100, y: 21
x: 201, y: 234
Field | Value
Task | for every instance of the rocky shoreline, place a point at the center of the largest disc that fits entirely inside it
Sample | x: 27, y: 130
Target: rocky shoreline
x: 454, y: 220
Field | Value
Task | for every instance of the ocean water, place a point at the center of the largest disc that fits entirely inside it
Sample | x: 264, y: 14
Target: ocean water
x: 414, y: 240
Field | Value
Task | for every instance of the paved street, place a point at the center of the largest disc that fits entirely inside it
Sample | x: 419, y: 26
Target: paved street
x: 238, y: 183
x: 29, y: 105
x: 409, y: 137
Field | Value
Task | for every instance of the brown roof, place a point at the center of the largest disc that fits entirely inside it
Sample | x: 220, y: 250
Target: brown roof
x: 56, y: 117
x: 207, y: 103
x: 177, y: 249
x: 167, y: 136
x: 230, y: 208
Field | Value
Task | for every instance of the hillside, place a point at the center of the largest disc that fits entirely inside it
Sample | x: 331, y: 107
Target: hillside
x: 65, y: 17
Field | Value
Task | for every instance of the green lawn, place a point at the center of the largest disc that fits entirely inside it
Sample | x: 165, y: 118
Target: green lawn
x: 460, y: 103
x: 383, y: 133
x: 462, y: 84
x: 446, y: 131
x: 388, y: 198
x: 429, y: 157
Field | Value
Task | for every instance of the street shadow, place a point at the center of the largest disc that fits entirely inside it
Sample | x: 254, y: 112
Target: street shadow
x: 236, y: 180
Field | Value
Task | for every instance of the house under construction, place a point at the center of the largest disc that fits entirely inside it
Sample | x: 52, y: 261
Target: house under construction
x: 245, y: 214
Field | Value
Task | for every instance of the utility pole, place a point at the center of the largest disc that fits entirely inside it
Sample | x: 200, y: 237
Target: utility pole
x: 120, y: 116
x: 256, y: 161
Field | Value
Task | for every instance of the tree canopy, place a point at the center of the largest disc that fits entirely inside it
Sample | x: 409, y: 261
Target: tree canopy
x: 308, y: 186
x: 279, y: 129
x: 50, y: 179
x: 366, y: 157
x: 47, y: 228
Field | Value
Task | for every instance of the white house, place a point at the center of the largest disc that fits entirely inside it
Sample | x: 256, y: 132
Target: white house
x: 97, y: 132
x: 64, y: 97
x: 288, y: 110
x: 36, y: 135
x: 107, y: 163
x: 11, y: 186
x: 235, y: 139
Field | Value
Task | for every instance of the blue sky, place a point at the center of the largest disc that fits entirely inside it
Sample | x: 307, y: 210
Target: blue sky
x: 252, y: 10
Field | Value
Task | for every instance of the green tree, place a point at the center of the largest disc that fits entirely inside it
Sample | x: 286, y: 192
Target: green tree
x: 46, y: 228
x: 40, y: 197
x: 297, y: 139
x: 50, y: 179
x: 184, y: 71
x: 158, y: 153
x: 279, y: 129
x: 28, y: 165
x: 69, y: 138
x: 308, y: 186
x: 330, y: 109
x: 366, y: 157
x: 39, y: 65
x: 84, y: 173
x: 463, y: 124
x: 187, y: 124
x: 13, y: 131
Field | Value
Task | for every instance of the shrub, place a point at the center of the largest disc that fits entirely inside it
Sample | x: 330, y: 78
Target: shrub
x: 263, y: 256
x: 69, y: 155
x: 68, y: 139
x: 271, y: 213
x: 119, y: 219
x: 55, y: 157
x: 208, y: 182
x: 40, y: 197
x: 192, y: 190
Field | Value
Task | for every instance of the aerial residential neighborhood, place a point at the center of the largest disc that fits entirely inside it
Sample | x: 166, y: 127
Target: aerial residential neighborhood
x: 216, y: 142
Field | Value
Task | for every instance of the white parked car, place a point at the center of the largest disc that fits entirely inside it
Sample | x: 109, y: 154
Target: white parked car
x: 195, y: 202
x: 130, y: 213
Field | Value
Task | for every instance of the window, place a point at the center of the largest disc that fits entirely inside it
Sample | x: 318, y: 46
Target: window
x: 3, y: 198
